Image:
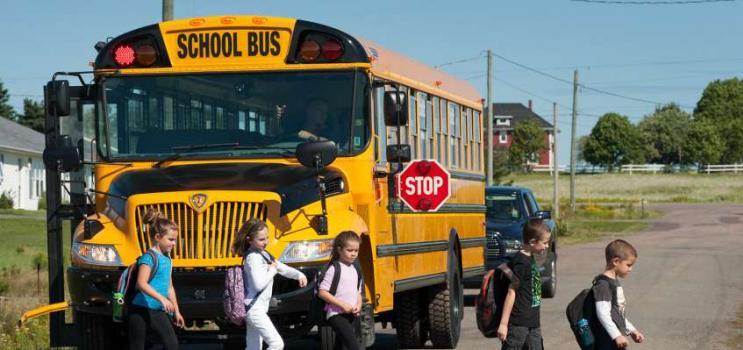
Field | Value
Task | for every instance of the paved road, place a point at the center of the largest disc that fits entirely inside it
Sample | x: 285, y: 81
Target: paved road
x: 682, y: 293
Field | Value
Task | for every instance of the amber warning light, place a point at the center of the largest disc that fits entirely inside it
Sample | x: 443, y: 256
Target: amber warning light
x: 144, y: 55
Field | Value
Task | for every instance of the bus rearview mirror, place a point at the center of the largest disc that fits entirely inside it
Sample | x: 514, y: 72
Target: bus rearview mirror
x: 395, y: 108
x: 398, y: 153
x: 316, y: 154
x: 63, y: 155
x: 59, y: 98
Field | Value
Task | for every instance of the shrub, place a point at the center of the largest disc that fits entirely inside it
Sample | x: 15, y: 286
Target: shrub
x: 6, y: 201
x: 4, y: 286
x: 42, y: 201
x: 40, y: 261
x: 20, y: 250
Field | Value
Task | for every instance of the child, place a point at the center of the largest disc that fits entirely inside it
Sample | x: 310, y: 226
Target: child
x: 343, y: 307
x: 155, y: 300
x: 613, y: 325
x: 260, y: 268
x: 519, y: 325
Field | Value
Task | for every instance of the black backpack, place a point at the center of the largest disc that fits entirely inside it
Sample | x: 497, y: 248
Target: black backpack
x: 583, y: 306
x: 489, y: 302
x: 318, y: 305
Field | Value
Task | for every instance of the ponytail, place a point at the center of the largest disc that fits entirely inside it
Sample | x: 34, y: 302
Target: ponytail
x: 158, y: 223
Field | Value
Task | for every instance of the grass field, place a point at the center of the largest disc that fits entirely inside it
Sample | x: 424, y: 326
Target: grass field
x: 22, y: 239
x: 658, y: 188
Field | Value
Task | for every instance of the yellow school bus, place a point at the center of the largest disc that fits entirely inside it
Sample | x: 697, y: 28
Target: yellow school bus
x: 216, y: 120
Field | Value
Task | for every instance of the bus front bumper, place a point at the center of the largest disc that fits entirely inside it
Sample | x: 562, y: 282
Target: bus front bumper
x: 199, y: 292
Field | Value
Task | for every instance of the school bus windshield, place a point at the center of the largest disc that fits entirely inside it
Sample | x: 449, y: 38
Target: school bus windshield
x: 232, y: 115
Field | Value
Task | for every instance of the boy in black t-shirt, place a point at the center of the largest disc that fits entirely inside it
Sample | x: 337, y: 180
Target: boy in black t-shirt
x: 519, y: 325
x: 611, y: 325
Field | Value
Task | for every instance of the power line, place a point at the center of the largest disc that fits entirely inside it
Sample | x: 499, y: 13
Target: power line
x: 459, y: 61
x: 679, y: 2
x: 609, y: 93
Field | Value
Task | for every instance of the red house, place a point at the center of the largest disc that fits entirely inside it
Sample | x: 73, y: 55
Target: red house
x: 505, y: 118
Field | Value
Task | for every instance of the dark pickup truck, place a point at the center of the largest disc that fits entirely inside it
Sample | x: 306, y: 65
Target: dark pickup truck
x: 508, y: 210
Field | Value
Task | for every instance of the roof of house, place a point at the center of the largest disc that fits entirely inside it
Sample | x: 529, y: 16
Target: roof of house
x: 16, y: 137
x: 519, y: 114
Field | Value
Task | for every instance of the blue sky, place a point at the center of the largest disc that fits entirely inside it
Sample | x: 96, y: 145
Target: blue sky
x: 652, y: 52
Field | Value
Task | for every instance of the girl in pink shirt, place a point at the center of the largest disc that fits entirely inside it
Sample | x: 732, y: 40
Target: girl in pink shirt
x: 344, y: 306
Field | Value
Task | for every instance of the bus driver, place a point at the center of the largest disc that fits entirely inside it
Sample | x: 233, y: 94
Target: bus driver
x: 316, y: 117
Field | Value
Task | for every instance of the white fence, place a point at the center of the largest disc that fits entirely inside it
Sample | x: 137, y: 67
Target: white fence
x: 721, y: 168
x: 645, y: 168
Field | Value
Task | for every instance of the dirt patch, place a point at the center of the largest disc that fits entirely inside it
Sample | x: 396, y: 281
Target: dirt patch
x: 662, y: 226
x: 730, y: 220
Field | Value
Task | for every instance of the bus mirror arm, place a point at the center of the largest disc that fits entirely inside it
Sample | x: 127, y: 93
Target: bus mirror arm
x: 322, y: 220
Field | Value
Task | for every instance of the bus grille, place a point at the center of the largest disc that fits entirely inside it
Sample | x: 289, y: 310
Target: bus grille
x: 201, y: 235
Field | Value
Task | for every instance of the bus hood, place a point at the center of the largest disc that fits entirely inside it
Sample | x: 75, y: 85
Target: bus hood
x: 295, y: 184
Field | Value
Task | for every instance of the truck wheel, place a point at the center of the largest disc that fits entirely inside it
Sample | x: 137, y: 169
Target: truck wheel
x: 410, y: 320
x: 445, y: 309
x: 96, y: 332
x: 549, y: 288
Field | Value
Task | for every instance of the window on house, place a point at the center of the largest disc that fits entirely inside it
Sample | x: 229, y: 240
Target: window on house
x: 502, y: 122
x: 502, y: 137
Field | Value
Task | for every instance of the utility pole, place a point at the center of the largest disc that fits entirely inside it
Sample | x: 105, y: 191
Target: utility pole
x: 573, y: 154
x: 489, y: 113
x: 167, y: 10
x: 555, y: 167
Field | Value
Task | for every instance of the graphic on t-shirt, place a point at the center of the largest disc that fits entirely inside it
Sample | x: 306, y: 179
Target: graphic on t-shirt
x: 536, y: 284
x: 621, y: 302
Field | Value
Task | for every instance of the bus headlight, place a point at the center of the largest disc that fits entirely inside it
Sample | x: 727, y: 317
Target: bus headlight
x: 95, y: 254
x: 307, y: 251
x: 511, y: 246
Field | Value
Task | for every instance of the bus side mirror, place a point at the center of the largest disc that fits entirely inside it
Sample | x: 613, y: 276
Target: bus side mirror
x: 398, y: 153
x: 63, y: 155
x: 316, y: 154
x: 395, y: 102
x: 59, y: 95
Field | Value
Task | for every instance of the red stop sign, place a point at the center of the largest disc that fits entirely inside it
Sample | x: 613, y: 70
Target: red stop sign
x: 424, y: 185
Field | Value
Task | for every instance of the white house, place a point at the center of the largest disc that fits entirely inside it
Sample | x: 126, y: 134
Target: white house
x: 22, y: 175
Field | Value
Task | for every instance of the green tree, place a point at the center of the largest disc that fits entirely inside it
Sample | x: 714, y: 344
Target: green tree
x: 501, y: 166
x: 613, y: 141
x: 33, y: 115
x: 703, y: 143
x: 722, y: 105
x: 6, y: 110
x: 528, y: 141
x: 664, y: 133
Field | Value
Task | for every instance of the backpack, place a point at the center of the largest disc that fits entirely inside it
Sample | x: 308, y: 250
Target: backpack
x: 126, y: 287
x: 318, y: 305
x: 583, y: 307
x: 233, y: 298
x: 489, y: 302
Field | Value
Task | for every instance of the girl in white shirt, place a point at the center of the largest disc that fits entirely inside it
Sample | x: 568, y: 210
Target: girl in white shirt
x: 259, y: 269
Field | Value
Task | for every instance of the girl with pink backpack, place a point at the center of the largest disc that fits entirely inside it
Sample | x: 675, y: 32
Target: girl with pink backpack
x: 259, y: 269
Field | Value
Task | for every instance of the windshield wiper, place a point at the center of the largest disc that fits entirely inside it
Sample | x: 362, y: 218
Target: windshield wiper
x: 192, y: 148
x: 284, y: 151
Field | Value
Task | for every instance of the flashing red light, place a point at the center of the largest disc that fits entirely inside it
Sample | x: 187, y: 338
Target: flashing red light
x: 332, y: 50
x: 124, y: 55
x: 309, y: 51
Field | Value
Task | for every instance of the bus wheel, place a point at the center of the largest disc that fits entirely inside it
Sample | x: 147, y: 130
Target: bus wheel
x: 446, y: 306
x: 366, y: 325
x: 96, y: 332
x: 327, y: 337
x: 410, y: 320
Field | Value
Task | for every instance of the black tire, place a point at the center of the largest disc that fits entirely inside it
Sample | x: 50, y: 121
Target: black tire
x: 366, y: 325
x: 98, y: 332
x: 233, y: 346
x: 549, y: 287
x: 446, y: 307
x: 327, y: 337
x: 410, y: 321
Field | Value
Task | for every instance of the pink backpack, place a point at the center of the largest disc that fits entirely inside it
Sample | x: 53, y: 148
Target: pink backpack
x: 233, y: 298
x: 234, y: 295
